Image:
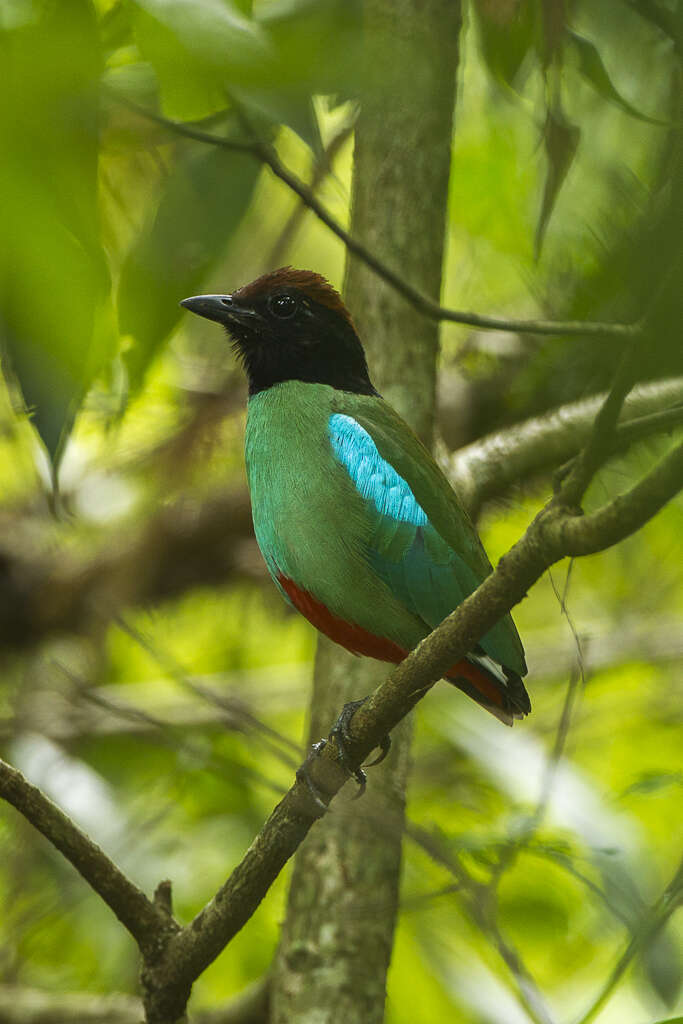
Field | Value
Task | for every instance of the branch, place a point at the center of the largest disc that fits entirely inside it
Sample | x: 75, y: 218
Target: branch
x: 428, y: 307
x: 576, y: 478
x: 585, y: 535
x: 21, y: 1005
x: 135, y: 912
x: 197, y: 945
x: 46, y: 587
x: 488, y: 467
x: 323, y: 167
x: 653, y: 921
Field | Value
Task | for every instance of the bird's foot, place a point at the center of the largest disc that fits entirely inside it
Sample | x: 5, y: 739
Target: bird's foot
x: 340, y: 732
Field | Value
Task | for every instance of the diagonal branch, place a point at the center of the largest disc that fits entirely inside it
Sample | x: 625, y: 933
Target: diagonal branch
x: 135, y: 912
x: 585, y: 535
x: 600, y: 443
x: 262, y: 151
x: 542, y: 545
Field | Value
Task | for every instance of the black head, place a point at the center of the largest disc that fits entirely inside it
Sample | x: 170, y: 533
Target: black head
x: 290, y: 325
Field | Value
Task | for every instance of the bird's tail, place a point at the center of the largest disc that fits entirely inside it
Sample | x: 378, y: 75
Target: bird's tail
x: 499, y: 690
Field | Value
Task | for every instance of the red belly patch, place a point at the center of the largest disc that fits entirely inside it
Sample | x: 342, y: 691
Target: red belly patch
x: 359, y: 641
x: 346, y: 634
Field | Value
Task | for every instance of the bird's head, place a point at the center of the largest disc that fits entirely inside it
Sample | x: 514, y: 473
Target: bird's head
x: 290, y: 325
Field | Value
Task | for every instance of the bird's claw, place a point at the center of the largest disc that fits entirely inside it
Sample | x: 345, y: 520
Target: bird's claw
x: 340, y: 732
x: 384, y: 748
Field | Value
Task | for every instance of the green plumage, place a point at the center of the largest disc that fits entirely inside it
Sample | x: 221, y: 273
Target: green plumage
x: 391, y: 577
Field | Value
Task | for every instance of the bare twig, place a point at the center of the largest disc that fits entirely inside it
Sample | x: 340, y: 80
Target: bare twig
x: 260, y: 150
x: 269, y: 737
x: 602, y: 439
x: 170, y: 736
x: 478, y: 905
x: 563, y: 861
x: 486, y: 468
x: 131, y: 906
x: 322, y: 168
x: 653, y: 921
x: 588, y: 534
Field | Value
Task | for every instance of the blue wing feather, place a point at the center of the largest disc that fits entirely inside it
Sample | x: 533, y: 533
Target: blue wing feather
x: 374, y: 478
x: 426, y: 575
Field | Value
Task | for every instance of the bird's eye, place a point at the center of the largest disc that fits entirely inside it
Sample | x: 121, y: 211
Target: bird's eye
x: 283, y: 306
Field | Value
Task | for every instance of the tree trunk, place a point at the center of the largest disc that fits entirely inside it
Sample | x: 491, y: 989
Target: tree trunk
x: 338, y: 935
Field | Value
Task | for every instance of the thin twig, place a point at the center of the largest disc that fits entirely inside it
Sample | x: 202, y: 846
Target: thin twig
x: 585, y: 535
x: 486, y: 468
x: 655, y: 919
x: 428, y: 307
x: 476, y: 900
x: 602, y: 439
x: 323, y: 167
x: 131, y: 906
x: 168, y: 734
x: 269, y: 737
x: 562, y: 861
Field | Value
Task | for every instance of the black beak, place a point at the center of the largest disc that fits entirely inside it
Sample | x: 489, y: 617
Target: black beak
x: 221, y: 308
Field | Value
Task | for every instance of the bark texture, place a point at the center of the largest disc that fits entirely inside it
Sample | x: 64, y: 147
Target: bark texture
x: 338, y: 935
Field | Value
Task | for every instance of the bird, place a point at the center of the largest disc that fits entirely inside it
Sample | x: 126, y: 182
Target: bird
x: 360, y: 529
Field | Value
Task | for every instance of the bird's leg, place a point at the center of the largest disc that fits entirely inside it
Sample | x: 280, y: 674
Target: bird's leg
x: 340, y: 731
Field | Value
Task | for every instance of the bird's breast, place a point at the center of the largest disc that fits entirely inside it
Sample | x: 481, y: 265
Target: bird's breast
x: 306, y: 512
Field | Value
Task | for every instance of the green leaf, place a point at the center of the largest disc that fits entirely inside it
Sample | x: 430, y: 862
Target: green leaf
x: 506, y: 35
x: 592, y: 68
x: 212, y: 39
x: 189, y: 89
x: 317, y: 44
x: 204, y: 53
x: 652, y: 782
x: 53, y: 272
x: 204, y: 200
x: 661, y: 962
x: 561, y: 139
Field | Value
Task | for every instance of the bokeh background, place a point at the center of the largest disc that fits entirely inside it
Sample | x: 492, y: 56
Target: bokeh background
x: 153, y: 682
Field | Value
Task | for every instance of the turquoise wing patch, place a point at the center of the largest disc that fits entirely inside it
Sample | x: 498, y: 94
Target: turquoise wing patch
x: 373, y: 476
x: 427, y: 576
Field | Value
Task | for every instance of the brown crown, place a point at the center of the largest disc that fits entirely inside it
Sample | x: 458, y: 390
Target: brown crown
x: 307, y: 281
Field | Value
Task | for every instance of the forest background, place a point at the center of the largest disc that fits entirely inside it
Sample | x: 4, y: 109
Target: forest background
x: 520, y: 159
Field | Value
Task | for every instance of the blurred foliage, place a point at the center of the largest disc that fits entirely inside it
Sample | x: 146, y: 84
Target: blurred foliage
x: 565, y: 201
